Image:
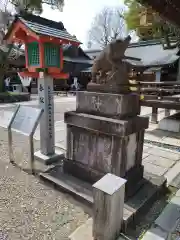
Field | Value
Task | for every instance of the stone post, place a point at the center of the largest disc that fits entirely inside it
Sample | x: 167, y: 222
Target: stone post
x: 47, y: 137
x: 108, y: 195
x: 154, y: 116
x: 167, y: 112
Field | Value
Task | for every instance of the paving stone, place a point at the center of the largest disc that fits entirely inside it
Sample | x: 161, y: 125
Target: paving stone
x: 145, y: 197
x: 160, y: 161
x: 171, y: 141
x: 146, y: 148
x: 172, y: 173
x: 155, y: 169
x: 176, y: 181
x: 164, y: 153
x: 175, y: 234
x: 84, y: 232
x: 155, y: 234
x: 150, y: 137
x: 168, y: 218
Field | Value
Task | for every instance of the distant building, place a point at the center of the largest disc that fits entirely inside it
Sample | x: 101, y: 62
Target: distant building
x: 157, y: 63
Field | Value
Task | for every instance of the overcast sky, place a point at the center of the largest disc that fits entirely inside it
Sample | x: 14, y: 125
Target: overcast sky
x: 77, y: 15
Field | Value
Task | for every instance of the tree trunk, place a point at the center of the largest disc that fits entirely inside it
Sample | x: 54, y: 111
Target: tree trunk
x: 2, y: 74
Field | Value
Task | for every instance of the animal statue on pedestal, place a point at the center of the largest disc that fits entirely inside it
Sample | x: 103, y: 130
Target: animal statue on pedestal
x: 111, y: 62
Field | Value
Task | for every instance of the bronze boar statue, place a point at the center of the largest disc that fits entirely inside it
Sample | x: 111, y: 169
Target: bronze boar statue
x: 110, y: 60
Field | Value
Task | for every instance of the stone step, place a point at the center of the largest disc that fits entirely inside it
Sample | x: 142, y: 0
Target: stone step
x: 136, y: 205
x: 79, y: 189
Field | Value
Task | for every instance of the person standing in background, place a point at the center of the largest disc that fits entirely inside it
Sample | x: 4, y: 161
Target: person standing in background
x: 7, y: 83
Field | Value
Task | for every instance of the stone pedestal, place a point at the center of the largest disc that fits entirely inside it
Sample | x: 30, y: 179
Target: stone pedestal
x: 106, y: 135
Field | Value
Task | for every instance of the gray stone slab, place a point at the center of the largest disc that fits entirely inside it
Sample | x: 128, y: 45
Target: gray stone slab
x: 155, y: 234
x: 168, y: 218
x: 108, y: 104
x: 172, y: 173
x: 106, y: 125
x: 176, y: 181
x: 156, y: 170
x: 160, y: 161
x: 164, y: 153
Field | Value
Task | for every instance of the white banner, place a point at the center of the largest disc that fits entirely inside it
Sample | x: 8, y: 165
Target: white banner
x: 25, y: 80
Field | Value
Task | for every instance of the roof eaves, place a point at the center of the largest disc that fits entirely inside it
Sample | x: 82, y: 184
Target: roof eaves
x: 65, y: 34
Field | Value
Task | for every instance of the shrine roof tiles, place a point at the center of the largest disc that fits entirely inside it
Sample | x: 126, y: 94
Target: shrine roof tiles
x: 48, y: 30
x: 151, y: 53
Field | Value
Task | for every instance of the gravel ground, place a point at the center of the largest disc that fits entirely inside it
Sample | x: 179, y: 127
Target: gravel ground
x: 29, y: 209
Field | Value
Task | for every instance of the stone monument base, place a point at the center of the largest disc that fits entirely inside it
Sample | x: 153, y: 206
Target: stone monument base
x: 150, y: 189
x: 91, y: 176
x: 49, y: 159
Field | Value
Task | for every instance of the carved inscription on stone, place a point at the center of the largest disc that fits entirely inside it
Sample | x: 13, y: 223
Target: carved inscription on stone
x: 119, y: 105
x: 97, y: 103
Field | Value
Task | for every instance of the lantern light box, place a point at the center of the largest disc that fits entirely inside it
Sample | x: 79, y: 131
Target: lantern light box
x: 43, y: 40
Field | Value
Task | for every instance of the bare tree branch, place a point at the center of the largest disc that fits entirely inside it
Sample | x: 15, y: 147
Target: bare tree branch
x: 108, y: 25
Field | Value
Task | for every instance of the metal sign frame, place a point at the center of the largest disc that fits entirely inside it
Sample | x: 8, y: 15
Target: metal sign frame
x: 30, y: 135
x: 10, y: 129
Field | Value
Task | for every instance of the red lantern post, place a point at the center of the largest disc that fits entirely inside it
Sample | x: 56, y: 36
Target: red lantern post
x: 43, y: 40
